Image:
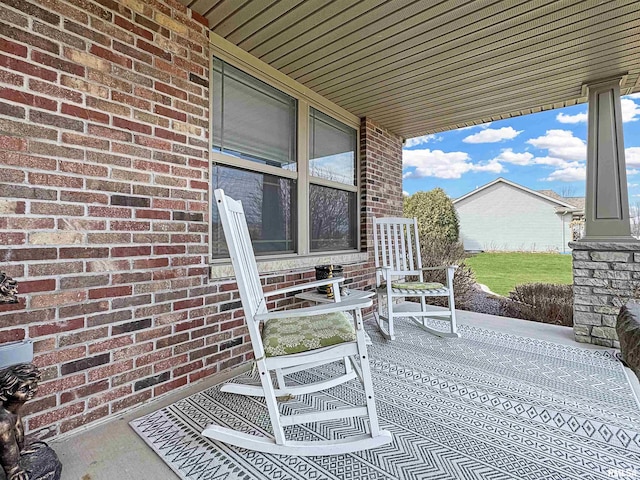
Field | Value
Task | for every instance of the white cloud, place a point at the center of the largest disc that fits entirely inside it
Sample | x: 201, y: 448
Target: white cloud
x: 405, y: 193
x: 570, y: 174
x: 436, y: 163
x: 577, y: 118
x: 630, y: 110
x: 561, y: 144
x: 412, y: 142
x: 632, y: 95
x: 492, y: 135
x: 492, y: 166
x: 632, y: 156
x: 632, y: 171
x: 555, y: 162
x: 439, y: 164
x: 509, y: 156
x: 632, y: 185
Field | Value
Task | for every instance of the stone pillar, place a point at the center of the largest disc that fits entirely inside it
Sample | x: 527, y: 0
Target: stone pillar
x: 606, y: 261
x: 607, y: 203
x: 605, y: 277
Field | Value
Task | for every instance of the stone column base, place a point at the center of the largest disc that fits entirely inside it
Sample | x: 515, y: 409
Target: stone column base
x: 605, y: 276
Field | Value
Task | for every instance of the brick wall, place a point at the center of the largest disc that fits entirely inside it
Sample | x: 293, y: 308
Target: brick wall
x: 380, y: 176
x: 104, y: 208
x: 103, y: 196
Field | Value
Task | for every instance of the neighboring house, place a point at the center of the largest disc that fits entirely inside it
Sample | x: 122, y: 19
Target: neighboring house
x: 503, y: 215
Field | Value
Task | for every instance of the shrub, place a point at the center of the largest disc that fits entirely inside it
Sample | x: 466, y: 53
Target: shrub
x: 541, y: 302
x: 437, y: 252
x: 437, y: 217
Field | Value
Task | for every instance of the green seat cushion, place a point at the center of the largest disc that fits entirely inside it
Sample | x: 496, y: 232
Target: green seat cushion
x: 417, y: 285
x: 284, y: 336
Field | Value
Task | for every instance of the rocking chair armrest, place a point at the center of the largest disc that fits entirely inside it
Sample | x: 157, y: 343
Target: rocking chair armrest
x: 317, y: 309
x: 304, y: 286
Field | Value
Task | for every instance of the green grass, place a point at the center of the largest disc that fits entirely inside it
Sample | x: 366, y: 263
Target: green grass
x: 503, y: 271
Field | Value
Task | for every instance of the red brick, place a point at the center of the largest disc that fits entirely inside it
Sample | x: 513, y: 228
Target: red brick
x: 83, y: 113
x: 12, y: 143
x: 127, y: 25
x: 10, y: 238
x: 133, y: 126
x: 151, y: 263
x: 28, y: 99
x: 169, y: 90
x: 60, y: 356
x: 47, y: 149
x: 130, y: 226
x: 110, y: 344
x: 100, y: 131
x: 110, y: 212
x: 111, y: 56
x: 54, y: 328
x: 13, y: 335
x: 84, y: 419
x: 125, y: 99
x: 38, y: 286
x: 13, y: 48
x: 57, y: 299
x: 91, y: 141
x: 11, y: 78
x: 28, y: 38
x: 55, y: 415
x: 111, y: 395
x: 110, y: 292
x: 55, y: 180
x: 110, y: 370
x: 131, y: 401
x: 59, y: 209
x: 55, y: 120
x: 58, y: 64
x: 60, y: 384
x: 28, y: 161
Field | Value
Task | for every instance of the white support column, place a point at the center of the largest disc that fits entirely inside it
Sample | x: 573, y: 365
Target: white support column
x: 607, y: 203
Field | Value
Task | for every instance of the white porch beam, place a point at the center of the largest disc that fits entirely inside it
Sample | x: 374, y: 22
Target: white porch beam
x: 606, y: 202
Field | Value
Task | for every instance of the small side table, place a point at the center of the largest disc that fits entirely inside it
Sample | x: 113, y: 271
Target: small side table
x: 348, y: 294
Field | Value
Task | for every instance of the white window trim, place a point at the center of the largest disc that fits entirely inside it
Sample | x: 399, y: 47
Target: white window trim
x: 306, y: 98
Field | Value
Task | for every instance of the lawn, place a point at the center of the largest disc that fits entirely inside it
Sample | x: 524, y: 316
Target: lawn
x: 503, y: 271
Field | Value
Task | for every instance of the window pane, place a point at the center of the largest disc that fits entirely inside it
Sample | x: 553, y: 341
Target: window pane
x: 333, y: 218
x: 251, y: 119
x: 332, y: 149
x: 269, y: 205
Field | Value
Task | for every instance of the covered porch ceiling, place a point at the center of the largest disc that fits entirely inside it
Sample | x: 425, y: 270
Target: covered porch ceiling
x: 420, y: 67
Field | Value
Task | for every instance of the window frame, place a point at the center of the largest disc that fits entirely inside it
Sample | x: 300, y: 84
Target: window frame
x: 306, y: 98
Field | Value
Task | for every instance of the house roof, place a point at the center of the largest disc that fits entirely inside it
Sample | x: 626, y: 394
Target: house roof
x: 419, y: 67
x: 560, y: 202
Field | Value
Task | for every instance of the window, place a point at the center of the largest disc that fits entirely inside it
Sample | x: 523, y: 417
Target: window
x: 293, y: 167
x: 332, y: 167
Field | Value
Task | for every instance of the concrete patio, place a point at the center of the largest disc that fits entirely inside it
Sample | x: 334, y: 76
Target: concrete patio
x: 113, y: 450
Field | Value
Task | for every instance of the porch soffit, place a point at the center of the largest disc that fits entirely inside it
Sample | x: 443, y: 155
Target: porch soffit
x: 421, y: 67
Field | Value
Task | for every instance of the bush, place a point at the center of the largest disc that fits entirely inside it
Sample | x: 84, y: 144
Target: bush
x: 541, y: 302
x: 438, y: 228
x: 437, y: 252
x: 437, y: 217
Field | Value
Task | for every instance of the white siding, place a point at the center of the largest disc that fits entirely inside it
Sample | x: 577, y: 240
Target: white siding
x: 503, y: 217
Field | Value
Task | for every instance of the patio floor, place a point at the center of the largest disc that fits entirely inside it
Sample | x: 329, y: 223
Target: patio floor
x: 113, y: 450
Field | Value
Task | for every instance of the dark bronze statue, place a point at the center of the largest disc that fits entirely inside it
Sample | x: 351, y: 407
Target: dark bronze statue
x: 18, y: 384
x: 8, y: 289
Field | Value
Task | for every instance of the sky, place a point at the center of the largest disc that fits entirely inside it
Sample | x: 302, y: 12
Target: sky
x: 541, y: 151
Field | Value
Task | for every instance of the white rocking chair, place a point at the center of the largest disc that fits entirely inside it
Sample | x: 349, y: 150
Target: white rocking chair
x: 291, y: 341
x: 397, y: 252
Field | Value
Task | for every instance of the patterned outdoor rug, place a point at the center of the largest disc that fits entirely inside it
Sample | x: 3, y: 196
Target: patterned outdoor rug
x: 485, y: 406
